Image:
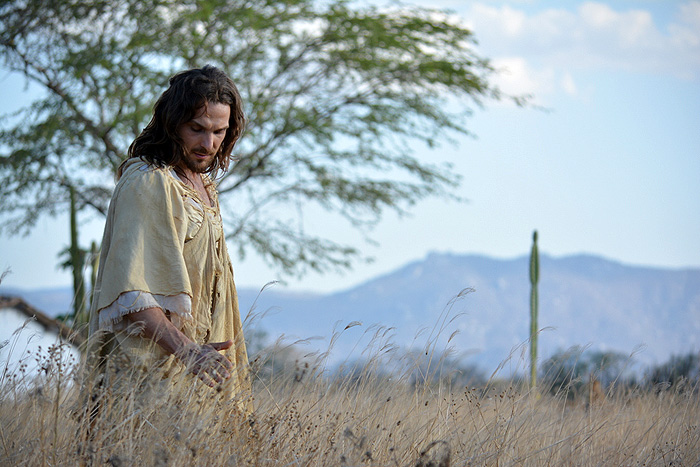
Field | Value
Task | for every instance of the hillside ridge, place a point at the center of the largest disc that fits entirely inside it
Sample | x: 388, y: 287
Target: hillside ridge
x: 585, y: 300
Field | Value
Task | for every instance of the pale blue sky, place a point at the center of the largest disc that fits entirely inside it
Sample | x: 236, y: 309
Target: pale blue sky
x: 611, y: 168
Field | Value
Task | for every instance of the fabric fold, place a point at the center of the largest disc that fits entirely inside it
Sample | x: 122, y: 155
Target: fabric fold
x: 179, y: 308
x: 163, y: 247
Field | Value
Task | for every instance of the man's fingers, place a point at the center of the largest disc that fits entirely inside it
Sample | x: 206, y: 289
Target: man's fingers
x: 221, y: 345
x: 209, y: 365
x: 216, y: 365
x: 206, y: 379
x: 211, y: 373
x: 221, y: 359
x: 226, y: 363
x: 222, y: 366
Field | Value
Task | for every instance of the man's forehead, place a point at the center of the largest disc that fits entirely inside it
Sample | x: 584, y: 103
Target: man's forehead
x: 212, y: 112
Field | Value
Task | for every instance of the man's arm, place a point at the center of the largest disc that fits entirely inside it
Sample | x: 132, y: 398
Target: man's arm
x: 202, y: 360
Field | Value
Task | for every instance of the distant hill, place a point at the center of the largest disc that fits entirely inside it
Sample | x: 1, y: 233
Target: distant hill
x: 584, y: 300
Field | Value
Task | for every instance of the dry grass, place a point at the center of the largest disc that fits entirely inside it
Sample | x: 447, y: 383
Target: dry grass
x: 306, y: 418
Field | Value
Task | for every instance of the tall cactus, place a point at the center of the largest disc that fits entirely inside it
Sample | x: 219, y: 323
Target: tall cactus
x: 76, y: 259
x: 534, y: 279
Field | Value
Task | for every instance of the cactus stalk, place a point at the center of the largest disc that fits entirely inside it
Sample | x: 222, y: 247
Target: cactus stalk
x: 76, y: 260
x: 534, y: 279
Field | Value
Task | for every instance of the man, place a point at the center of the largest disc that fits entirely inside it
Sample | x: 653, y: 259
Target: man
x: 165, y: 303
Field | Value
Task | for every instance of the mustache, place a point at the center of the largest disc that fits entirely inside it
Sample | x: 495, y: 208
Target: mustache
x: 201, y: 150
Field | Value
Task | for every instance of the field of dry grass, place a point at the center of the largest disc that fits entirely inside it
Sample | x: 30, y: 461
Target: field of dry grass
x: 306, y: 418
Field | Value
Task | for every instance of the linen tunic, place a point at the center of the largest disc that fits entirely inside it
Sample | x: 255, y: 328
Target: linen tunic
x: 164, y: 247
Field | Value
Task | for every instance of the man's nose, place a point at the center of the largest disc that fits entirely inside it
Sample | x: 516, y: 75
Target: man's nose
x: 208, y: 141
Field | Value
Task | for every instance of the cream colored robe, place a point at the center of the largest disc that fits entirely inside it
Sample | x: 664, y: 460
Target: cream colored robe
x: 162, y: 243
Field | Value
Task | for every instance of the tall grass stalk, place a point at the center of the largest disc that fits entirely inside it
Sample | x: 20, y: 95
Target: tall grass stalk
x: 305, y: 416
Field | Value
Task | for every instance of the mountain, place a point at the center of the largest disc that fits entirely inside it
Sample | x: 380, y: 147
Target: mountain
x: 584, y: 300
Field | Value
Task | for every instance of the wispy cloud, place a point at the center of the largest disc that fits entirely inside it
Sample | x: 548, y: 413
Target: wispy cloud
x: 543, y: 50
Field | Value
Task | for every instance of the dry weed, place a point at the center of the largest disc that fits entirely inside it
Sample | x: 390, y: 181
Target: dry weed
x: 306, y: 417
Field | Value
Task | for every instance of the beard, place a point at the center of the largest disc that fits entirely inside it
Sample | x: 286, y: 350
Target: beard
x: 196, y: 165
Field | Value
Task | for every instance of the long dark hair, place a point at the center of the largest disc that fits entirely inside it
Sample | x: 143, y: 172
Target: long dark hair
x: 159, y: 143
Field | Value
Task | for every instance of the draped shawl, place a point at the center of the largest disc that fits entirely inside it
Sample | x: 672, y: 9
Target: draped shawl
x: 163, y: 246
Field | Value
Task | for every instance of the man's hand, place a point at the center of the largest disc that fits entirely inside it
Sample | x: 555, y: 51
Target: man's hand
x: 205, y: 362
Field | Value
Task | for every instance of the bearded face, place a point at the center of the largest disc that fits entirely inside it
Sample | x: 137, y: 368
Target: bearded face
x: 202, y: 136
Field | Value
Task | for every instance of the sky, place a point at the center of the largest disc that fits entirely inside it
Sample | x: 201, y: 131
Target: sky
x: 607, y: 162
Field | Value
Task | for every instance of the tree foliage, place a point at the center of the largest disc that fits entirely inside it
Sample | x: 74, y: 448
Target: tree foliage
x: 336, y: 95
x: 568, y: 371
x: 678, y: 371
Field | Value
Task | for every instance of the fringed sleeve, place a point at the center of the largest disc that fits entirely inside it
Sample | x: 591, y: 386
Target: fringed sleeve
x: 142, y: 264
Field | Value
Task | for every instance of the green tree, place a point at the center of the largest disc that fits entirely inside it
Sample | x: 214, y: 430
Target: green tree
x: 336, y: 95
x: 611, y: 367
x: 566, y: 372
x: 680, y: 372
